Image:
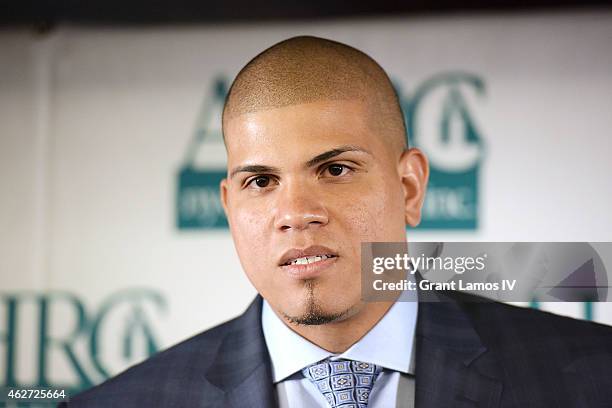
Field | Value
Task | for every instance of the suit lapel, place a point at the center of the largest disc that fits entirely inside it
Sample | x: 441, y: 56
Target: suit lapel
x: 453, y: 367
x: 242, y: 368
x: 255, y: 391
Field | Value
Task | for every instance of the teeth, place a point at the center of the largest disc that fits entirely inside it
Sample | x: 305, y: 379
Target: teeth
x: 309, y: 259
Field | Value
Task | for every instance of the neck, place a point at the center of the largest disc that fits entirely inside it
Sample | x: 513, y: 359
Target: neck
x: 337, y: 337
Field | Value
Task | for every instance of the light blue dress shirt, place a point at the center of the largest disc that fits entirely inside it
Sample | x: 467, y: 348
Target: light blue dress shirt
x: 389, y: 344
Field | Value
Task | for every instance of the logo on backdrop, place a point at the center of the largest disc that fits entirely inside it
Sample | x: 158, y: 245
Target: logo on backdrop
x: 439, y: 121
x: 198, y: 202
x: 52, y: 329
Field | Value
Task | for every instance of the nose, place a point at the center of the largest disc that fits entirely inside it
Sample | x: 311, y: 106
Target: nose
x: 299, y: 208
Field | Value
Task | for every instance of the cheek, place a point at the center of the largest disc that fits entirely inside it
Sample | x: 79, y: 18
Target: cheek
x: 376, y: 214
x: 250, y: 233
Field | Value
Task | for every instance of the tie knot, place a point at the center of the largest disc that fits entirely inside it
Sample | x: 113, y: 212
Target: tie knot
x: 344, y: 383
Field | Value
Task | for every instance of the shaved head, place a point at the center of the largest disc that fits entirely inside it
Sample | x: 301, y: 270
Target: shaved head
x: 310, y: 69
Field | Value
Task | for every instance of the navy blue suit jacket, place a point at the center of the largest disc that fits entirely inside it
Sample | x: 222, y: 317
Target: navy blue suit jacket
x: 468, y: 354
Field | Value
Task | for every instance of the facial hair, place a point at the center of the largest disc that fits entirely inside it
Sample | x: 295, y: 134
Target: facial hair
x: 314, y: 314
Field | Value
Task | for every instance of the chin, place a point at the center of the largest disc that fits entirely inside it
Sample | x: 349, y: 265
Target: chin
x: 312, y: 312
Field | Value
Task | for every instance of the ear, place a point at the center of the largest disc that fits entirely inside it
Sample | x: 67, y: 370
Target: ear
x: 413, y: 170
x: 223, y: 193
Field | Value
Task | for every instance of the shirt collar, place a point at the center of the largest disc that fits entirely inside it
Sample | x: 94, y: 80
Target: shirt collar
x: 390, y: 343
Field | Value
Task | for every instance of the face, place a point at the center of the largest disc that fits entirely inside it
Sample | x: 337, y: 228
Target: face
x: 306, y: 185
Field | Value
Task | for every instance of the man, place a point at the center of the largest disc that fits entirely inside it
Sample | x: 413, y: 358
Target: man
x: 318, y: 164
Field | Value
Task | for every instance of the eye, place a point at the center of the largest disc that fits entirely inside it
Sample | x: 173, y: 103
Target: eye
x: 337, y: 170
x: 259, y: 181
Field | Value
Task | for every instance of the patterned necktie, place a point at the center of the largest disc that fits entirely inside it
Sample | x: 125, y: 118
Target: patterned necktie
x: 343, y: 383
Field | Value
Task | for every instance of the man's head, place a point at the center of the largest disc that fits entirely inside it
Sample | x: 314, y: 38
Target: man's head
x: 317, y: 164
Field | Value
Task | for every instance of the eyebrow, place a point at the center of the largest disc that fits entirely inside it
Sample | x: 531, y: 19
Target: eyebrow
x: 254, y: 168
x: 257, y: 168
x: 333, y: 153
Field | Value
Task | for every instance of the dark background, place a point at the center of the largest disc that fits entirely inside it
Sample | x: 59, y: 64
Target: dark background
x: 43, y: 14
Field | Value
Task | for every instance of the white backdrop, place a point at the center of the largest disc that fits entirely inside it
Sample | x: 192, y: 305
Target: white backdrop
x: 95, y: 124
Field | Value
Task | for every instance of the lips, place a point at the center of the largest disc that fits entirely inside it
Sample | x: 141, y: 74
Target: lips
x: 308, y: 263
x: 310, y: 255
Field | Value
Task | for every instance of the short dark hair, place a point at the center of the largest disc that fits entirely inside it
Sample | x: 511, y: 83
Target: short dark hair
x: 308, y: 69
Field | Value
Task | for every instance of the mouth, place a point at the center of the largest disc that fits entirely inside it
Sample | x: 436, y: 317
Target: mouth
x: 307, y: 263
x: 305, y: 260
x: 306, y: 256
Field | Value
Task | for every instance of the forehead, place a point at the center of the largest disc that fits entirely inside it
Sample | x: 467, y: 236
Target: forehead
x: 297, y: 130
